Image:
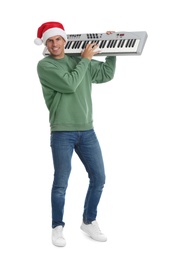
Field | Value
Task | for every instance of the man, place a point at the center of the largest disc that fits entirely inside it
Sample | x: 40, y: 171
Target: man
x: 66, y: 83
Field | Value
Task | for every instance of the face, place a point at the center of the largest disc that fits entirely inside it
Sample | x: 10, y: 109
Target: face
x: 55, y: 46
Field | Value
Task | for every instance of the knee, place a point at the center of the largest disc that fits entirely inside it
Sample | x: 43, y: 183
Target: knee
x: 98, y: 181
x: 58, y: 191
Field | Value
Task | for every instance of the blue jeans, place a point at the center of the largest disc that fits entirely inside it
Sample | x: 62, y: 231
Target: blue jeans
x: 86, y: 145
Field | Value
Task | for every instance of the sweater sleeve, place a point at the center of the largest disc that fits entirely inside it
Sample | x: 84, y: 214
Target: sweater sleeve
x: 56, y: 77
x: 103, y: 71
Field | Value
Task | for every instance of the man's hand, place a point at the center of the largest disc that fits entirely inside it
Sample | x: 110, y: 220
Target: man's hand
x: 90, y: 50
x: 110, y: 32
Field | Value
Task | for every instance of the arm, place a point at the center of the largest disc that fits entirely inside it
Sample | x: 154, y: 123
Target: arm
x: 57, y: 76
x: 92, y: 49
x: 101, y: 71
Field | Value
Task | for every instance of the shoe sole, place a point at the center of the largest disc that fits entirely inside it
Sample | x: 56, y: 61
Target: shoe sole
x: 94, y: 238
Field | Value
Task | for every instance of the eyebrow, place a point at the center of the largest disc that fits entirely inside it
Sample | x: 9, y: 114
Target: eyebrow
x: 57, y: 37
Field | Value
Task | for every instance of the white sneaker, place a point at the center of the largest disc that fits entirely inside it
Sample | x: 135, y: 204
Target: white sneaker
x: 57, y: 236
x: 94, y: 231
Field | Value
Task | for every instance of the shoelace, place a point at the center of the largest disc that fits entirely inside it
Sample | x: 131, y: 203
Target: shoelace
x: 59, y: 233
x: 95, y: 224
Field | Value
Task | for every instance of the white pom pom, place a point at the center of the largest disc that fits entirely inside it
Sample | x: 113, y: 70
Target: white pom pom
x: 38, y: 41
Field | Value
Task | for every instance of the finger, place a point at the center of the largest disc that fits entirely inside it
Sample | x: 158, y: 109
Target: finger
x: 94, y: 44
x: 110, y: 32
x: 96, y: 49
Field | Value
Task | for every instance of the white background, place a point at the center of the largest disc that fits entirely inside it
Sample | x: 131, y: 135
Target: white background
x: 132, y: 121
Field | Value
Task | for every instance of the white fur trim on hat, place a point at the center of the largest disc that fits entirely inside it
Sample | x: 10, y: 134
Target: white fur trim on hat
x: 52, y: 32
x: 38, y: 41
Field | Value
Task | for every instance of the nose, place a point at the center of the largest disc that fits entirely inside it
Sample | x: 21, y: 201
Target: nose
x: 54, y: 43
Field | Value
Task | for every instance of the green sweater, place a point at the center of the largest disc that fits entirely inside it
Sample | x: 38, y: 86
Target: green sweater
x: 66, y: 85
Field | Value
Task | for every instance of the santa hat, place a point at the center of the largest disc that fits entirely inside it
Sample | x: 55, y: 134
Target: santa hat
x: 47, y: 30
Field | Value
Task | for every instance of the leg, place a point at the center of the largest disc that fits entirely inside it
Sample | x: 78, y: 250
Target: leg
x: 62, y: 150
x: 88, y: 149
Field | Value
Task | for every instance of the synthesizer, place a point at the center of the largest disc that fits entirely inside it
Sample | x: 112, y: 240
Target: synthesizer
x: 117, y: 43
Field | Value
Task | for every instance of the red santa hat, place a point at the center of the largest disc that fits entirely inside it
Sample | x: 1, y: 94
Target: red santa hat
x: 49, y: 29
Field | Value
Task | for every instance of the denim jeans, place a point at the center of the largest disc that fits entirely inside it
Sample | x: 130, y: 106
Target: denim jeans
x: 86, y: 145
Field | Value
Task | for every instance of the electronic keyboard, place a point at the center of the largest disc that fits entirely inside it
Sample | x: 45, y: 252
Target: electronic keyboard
x: 117, y: 43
